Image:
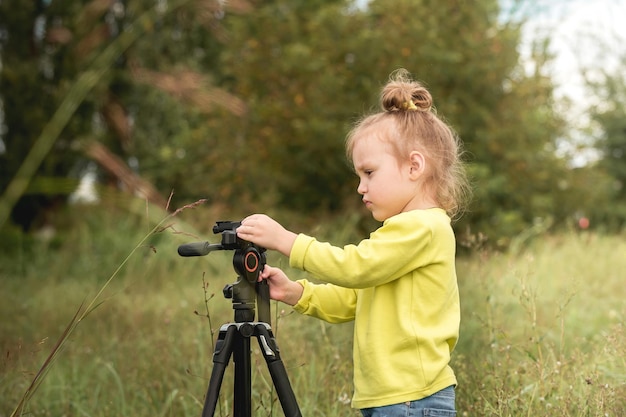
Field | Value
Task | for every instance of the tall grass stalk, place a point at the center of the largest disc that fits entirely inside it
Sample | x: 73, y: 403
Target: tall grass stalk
x: 82, y: 313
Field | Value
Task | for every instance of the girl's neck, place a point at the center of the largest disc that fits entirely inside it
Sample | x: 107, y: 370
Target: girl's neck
x: 422, y: 202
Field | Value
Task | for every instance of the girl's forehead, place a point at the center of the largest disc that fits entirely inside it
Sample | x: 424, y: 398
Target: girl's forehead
x: 377, y: 135
x: 367, y: 144
x: 370, y: 149
x: 385, y: 131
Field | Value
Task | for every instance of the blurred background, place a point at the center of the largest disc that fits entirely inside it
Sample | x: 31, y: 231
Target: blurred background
x: 131, y: 126
x: 246, y: 103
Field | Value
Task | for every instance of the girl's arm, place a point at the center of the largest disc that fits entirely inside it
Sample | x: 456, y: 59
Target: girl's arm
x: 327, y: 302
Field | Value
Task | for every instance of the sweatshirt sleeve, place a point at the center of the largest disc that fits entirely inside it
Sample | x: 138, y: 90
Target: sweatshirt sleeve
x: 400, y: 245
x: 327, y: 302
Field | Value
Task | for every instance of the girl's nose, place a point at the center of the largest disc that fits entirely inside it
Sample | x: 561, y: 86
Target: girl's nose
x: 361, y: 188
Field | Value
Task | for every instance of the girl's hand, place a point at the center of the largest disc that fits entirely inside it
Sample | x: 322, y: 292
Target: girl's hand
x: 281, y: 287
x: 264, y: 231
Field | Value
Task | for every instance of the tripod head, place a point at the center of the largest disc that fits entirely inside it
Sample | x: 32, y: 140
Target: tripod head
x: 248, y: 262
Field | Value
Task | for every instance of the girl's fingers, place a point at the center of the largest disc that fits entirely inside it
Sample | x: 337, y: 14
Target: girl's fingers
x: 265, y: 273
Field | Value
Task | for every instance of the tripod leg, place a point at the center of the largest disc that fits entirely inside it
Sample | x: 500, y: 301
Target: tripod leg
x: 277, y: 370
x: 242, y: 405
x: 221, y: 356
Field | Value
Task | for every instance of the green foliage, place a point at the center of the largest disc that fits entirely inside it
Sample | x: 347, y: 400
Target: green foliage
x: 305, y: 88
x: 542, y: 328
x: 300, y: 109
x: 88, y: 60
x: 248, y: 103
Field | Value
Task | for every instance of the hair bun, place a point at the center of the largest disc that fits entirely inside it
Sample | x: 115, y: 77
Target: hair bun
x: 402, y: 94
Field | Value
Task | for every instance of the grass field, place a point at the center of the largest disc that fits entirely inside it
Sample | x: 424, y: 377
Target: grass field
x: 542, y: 330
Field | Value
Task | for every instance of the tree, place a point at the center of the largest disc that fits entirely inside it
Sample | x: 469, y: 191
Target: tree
x: 77, y: 73
x: 307, y: 74
x: 250, y: 107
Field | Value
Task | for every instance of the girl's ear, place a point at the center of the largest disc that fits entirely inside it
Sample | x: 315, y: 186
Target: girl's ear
x: 417, y: 164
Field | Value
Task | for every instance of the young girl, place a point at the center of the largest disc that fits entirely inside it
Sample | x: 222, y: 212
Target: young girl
x: 399, y: 285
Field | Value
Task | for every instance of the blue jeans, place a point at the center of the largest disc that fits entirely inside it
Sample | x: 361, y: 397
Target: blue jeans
x: 440, y: 404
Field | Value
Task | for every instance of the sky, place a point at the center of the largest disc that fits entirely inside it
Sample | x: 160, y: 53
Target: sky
x: 577, y: 29
x: 580, y: 31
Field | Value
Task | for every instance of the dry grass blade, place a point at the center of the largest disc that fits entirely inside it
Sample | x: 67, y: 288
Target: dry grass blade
x: 189, y: 206
x: 45, y: 367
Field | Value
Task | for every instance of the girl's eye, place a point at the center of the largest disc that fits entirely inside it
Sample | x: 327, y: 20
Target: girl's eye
x: 368, y: 172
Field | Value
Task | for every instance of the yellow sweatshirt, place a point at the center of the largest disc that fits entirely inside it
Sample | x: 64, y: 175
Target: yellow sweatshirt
x: 400, y: 288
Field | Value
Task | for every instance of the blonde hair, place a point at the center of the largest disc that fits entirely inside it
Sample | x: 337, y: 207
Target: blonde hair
x: 409, y: 122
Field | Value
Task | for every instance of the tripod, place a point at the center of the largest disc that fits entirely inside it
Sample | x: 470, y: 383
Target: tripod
x: 234, y: 338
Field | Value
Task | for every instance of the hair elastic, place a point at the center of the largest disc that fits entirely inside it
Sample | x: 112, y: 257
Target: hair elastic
x: 409, y: 105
